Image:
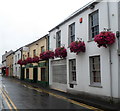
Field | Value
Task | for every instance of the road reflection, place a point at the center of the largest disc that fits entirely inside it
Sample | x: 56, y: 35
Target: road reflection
x: 3, y: 104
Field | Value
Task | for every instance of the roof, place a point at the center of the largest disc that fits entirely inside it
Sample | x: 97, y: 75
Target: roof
x: 36, y: 41
x: 87, y: 6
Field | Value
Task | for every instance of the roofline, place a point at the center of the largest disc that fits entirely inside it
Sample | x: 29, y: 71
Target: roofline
x: 18, y: 49
x: 10, y: 54
x: 35, y: 41
x: 85, y: 7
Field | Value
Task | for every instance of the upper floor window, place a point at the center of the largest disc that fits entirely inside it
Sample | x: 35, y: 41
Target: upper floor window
x: 34, y: 53
x: 15, y: 57
x: 28, y: 54
x: 94, y: 24
x: 23, y: 57
x: 58, y: 39
x: 18, y: 56
x: 42, y: 49
x: 71, y: 33
x: 95, y: 75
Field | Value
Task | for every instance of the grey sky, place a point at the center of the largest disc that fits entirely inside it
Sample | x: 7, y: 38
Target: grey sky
x: 23, y: 21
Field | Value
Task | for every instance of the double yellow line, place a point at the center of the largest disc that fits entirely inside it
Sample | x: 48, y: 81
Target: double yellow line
x: 64, y: 98
x: 8, y: 101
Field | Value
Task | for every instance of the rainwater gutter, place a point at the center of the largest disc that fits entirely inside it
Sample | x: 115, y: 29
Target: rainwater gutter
x: 110, y: 61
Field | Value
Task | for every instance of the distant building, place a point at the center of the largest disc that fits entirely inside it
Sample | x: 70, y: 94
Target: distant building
x: 9, y: 64
x: 36, y: 72
x: 4, y: 67
x: 16, y: 67
x: 0, y: 68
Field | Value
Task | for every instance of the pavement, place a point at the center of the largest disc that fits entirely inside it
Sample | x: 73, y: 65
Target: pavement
x: 106, y: 106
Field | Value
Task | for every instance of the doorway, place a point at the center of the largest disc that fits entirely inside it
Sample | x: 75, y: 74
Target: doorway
x: 35, y: 73
x: 22, y: 73
x: 43, y: 74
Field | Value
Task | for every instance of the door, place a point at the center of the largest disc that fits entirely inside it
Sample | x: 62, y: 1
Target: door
x: 43, y: 77
x: 27, y: 73
x: 22, y: 73
x: 7, y: 71
x: 35, y: 73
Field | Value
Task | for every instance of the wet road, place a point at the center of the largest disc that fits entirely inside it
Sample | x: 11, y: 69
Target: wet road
x: 21, y: 96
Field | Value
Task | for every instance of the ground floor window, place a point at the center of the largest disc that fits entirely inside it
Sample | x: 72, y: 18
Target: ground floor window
x: 27, y: 73
x: 59, y: 71
x: 72, y: 70
x: 95, y: 75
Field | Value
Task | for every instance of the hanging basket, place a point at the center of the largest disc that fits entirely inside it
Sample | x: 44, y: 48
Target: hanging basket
x: 29, y: 60
x: 61, y: 52
x: 35, y: 59
x: 47, y: 55
x: 104, y: 39
x: 77, y: 46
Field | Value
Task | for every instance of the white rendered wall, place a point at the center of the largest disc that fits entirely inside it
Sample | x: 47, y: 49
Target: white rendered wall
x: 82, y: 59
x: 16, y: 72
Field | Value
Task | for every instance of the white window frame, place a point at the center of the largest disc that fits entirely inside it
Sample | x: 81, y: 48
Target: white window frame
x: 71, y: 33
x: 92, y: 77
x: 72, y: 71
x: 95, y: 26
x: 58, y: 39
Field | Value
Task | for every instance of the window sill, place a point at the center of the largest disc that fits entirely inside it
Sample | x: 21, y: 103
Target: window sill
x: 97, y: 86
x: 90, y: 40
x: 73, y: 82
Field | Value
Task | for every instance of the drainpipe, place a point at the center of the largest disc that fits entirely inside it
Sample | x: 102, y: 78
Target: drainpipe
x: 21, y: 65
x: 110, y: 61
x: 48, y: 59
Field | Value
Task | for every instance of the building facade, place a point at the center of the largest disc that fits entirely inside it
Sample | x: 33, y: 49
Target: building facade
x: 37, y: 72
x: 4, y: 67
x: 93, y: 72
x: 9, y: 64
x: 16, y: 67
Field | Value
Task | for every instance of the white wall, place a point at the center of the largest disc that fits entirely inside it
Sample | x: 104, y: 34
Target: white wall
x: 16, y: 73
x: 82, y: 59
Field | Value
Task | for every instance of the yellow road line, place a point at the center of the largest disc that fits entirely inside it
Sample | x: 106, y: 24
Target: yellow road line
x: 70, y: 100
x: 62, y: 97
x: 10, y: 100
x: 8, y: 104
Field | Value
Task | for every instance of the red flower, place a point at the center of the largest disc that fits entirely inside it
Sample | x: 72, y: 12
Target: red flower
x: 29, y: 60
x: 60, y: 52
x: 19, y: 62
x: 35, y: 59
x: 24, y: 62
x: 47, y: 55
x: 77, y: 46
x: 104, y: 39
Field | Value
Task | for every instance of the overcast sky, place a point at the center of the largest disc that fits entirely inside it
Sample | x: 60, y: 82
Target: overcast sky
x: 23, y: 21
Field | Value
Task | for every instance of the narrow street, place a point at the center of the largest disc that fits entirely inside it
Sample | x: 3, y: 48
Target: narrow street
x: 16, y: 95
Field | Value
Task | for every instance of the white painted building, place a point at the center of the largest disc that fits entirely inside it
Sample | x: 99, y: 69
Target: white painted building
x: 75, y: 73
x: 17, y: 56
x: 16, y: 67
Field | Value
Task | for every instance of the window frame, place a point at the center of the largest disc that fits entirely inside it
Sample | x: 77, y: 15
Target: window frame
x: 72, y: 76
x: 58, y: 39
x: 92, y: 77
x: 34, y: 52
x: 71, y: 33
x: 42, y: 48
x: 91, y: 38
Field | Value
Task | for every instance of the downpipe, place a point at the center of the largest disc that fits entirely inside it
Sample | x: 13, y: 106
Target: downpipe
x: 110, y: 60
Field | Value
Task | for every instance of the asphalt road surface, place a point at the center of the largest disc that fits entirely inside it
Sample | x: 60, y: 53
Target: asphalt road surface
x: 16, y: 95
